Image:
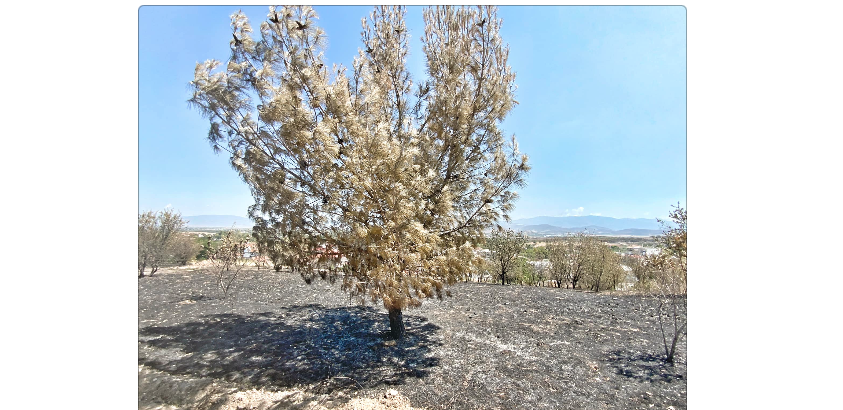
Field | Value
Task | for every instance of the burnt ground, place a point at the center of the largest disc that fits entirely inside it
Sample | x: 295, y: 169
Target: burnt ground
x: 276, y: 342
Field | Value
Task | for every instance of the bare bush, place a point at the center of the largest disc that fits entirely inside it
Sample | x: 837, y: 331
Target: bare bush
x: 667, y: 281
x: 226, y: 260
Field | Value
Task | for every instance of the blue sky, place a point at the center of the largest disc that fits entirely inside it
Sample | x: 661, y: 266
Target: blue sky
x: 602, y: 93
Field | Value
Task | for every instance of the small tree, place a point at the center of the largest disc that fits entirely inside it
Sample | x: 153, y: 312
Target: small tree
x: 539, y: 272
x: 569, y: 258
x: 226, y: 260
x: 182, y: 249
x: 156, y: 231
x: 559, y: 254
x: 505, y: 247
x: 668, y: 280
x: 604, y: 267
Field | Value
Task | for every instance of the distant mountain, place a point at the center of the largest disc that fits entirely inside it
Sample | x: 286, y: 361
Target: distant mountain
x: 614, y: 224
x: 597, y: 225
x: 218, y: 221
x: 550, y: 230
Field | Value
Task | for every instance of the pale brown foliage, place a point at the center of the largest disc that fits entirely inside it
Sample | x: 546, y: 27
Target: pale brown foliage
x: 401, y: 180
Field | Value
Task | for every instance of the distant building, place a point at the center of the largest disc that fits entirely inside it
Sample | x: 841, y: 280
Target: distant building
x: 541, y: 264
x: 250, y: 250
x: 633, y: 251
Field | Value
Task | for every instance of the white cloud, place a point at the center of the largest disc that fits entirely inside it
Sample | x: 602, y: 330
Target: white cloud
x: 596, y: 214
x: 574, y: 212
x: 168, y: 206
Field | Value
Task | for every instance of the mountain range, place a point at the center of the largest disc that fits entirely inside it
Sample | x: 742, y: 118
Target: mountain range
x: 598, y: 225
x: 539, y: 225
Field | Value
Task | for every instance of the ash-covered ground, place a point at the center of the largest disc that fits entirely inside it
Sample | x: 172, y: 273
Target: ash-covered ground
x: 276, y: 342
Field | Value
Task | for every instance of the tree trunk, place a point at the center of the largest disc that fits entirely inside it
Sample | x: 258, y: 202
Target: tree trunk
x: 672, y: 351
x: 396, y: 323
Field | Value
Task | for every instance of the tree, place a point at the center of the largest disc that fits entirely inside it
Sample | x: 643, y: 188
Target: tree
x: 270, y: 244
x: 505, y: 247
x: 668, y: 280
x: 400, y: 180
x: 155, y: 233
x: 604, y: 267
x: 182, y: 249
x: 539, y: 270
x: 560, y: 256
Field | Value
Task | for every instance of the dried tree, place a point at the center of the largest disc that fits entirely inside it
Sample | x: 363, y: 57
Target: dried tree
x: 400, y: 180
x: 668, y: 275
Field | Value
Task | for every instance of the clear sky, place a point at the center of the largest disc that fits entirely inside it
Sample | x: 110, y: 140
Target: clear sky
x: 602, y: 93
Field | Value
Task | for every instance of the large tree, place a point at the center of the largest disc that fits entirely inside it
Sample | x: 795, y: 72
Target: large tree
x: 399, y: 177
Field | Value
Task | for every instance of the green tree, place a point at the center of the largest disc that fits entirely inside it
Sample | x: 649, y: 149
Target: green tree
x: 604, y: 267
x: 183, y: 249
x: 156, y: 231
x: 399, y: 177
x: 506, y: 247
x: 570, y: 259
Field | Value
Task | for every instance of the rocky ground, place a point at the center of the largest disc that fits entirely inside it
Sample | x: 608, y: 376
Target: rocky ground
x: 278, y: 343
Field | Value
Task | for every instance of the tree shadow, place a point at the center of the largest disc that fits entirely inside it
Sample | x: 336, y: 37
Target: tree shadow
x: 318, y: 348
x: 644, y: 367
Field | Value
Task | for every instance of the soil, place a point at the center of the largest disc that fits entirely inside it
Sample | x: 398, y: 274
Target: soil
x: 277, y: 343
